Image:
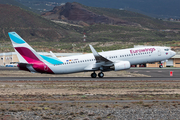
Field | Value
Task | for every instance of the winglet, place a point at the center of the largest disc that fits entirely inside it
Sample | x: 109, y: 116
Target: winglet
x: 97, y: 56
x: 95, y: 53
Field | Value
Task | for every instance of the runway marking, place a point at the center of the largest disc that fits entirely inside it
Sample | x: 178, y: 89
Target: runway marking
x: 136, y: 71
x: 147, y: 71
x: 159, y: 71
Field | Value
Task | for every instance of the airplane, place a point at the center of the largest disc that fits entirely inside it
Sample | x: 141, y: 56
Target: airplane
x: 116, y: 60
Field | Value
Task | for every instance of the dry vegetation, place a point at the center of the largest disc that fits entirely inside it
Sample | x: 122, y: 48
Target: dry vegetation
x: 89, y: 90
x: 83, y: 111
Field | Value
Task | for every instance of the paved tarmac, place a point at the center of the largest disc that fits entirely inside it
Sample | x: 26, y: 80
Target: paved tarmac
x: 155, y: 73
x: 88, y: 79
x: 9, y: 68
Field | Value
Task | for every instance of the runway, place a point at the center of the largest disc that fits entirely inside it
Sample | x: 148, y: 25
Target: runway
x: 157, y: 74
x: 87, y: 79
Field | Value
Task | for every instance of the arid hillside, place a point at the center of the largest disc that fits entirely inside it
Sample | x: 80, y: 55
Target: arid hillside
x: 75, y: 12
x: 105, y: 28
x: 29, y: 25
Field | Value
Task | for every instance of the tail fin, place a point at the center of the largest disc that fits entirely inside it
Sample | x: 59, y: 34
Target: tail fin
x: 25, y: 53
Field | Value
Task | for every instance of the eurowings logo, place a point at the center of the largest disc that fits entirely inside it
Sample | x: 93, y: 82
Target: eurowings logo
x: 142, y: 50
x: 166, y: 53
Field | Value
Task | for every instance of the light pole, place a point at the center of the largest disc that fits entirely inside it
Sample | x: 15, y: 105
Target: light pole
x: 73, y: 47
x: 82, y: 47
x: 84, y: 37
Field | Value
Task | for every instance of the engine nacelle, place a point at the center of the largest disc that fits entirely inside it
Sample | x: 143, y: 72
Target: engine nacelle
x: 122, y: 65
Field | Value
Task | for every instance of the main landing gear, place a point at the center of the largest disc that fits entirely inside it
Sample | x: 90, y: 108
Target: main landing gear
x: 100, y: 75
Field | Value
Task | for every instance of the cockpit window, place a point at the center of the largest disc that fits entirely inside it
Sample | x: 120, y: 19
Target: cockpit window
x: 166, y: 49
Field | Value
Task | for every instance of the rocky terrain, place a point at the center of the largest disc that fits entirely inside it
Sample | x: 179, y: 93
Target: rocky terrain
x: 82, y: 111
x: 76, y: 13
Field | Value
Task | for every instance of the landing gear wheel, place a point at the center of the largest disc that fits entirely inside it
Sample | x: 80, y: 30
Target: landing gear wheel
x: 101, y: 75
x: 160, y: 66
x: 93, y: 75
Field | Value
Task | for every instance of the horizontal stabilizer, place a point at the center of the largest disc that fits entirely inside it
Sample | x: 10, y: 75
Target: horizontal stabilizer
x: 52, y: 54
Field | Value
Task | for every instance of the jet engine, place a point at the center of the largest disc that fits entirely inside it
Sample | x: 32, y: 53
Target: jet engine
x: 122, y: 65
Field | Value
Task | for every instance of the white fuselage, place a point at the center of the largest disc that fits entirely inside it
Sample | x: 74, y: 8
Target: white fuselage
x: 135, y: 56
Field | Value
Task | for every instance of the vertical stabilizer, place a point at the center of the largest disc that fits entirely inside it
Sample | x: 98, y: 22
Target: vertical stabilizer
x: 25, y: 53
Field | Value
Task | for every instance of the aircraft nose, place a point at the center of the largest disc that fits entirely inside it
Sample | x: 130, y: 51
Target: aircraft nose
x: 173, y: 53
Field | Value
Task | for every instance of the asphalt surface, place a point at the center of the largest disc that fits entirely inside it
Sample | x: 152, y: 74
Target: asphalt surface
x: 155, y: 73
x: 80, y: 79
x: 9, y: 68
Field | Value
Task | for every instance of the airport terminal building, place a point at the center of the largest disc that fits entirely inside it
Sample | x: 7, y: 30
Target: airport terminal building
x: 11, y: 58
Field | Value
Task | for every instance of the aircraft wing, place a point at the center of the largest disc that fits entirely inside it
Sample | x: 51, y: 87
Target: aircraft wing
x: 101, y: 61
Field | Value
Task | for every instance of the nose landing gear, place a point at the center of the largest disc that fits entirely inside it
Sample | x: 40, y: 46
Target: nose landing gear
x: 100, y: 75
x: 161, y: 65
